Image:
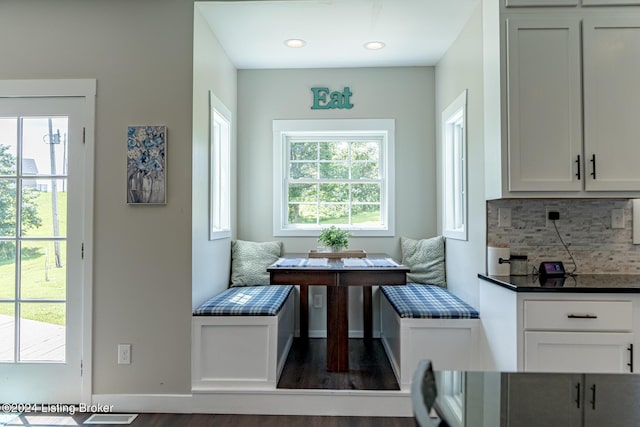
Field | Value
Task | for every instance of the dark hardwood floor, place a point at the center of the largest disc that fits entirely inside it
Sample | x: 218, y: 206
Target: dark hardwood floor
x: 205, y: 420
x: 306, y: 367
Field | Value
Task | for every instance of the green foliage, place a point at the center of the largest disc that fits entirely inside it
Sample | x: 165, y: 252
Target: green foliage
x: 334, y: 182
x: 29, y: 211
x: 334, y: 237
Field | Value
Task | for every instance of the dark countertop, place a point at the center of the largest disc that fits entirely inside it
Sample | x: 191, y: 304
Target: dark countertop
x: 586, y: 283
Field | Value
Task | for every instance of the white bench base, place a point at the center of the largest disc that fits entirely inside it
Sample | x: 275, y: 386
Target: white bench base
x: 240, y: 352
x: 451, y: 344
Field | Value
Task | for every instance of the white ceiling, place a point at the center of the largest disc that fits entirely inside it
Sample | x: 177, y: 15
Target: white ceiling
x: 416, y: 32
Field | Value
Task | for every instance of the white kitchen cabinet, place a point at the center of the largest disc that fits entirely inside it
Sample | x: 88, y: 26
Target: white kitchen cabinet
x: 577, y: 351
x: 612, y: 103
x: 578, y: 335
x: 544, y: 106
x: 559, y: 332
x: 569, y: 98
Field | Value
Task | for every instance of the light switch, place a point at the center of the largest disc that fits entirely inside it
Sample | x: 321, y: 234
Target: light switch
x: 504, y: 217
x: 317, y: 301
x: 617, y: 218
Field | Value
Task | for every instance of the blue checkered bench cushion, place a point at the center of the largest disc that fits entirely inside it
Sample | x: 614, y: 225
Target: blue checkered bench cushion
x: 246, y: 301
x: 427, y: 302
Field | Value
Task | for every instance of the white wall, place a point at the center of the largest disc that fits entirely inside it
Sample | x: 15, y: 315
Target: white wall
x: 406, y: 94
x: 140, y: 52
x: 459, y: 69
x: 212, y: 71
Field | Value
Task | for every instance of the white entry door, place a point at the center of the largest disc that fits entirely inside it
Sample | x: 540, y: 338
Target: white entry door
x: 42, y: 227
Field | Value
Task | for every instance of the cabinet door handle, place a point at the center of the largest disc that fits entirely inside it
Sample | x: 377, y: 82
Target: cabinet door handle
x: 593, y: 397
x: 578, y: 169
x: 593, y: 164
x: 630, y: 364
x: 578, y: 395
x: 582, y: 316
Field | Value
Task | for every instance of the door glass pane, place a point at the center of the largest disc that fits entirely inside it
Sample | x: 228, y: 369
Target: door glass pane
x: 7, y: 329
x: 7, y: 207
x: 43, y: 270
x: 8, y: 145
x: 42, y: 332
x: 44, y: 207
x: 44, y: 145
x: 7, y: 270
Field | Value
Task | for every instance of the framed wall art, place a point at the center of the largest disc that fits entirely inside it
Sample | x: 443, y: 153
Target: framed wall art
x: 146, y: 165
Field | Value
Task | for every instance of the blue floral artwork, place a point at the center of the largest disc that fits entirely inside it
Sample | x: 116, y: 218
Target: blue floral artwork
x: 146, y: 167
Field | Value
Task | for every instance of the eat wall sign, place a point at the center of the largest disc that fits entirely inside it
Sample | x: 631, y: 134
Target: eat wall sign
x: 324, y: 99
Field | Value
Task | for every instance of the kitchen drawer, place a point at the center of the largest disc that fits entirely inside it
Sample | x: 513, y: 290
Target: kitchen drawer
x: 578, y: 315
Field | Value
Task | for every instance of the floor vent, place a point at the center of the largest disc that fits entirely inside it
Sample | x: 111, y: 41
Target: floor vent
x: 111, y: 419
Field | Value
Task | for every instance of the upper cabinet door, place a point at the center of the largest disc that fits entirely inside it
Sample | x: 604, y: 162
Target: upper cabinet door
x: 612, y: 103
x: 544, y: 127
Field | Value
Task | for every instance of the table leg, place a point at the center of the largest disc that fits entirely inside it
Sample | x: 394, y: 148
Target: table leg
x: 367, y: 313
x: 304, y: 311
x: 337, y: 329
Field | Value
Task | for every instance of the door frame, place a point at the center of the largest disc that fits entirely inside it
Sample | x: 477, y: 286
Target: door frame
x: 84, y: 88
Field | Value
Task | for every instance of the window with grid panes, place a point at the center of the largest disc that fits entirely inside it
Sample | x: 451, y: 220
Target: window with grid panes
x: 333, y: 172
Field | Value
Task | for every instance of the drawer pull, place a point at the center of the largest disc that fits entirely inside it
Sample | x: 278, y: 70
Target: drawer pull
x: 582, y: 316
x: 630, y: 364
x: 578, y: 398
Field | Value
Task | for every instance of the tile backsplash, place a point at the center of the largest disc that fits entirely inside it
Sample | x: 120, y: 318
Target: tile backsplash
x: 585, y: 227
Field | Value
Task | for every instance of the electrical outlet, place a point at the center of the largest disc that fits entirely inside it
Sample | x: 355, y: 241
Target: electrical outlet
x: 552, y: 213
x: 317, y: 301
x: 617, y: 218
x: 504, y: 217
x: 124, y: 354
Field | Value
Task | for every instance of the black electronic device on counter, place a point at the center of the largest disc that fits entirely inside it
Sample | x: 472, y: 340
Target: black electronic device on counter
x: 551, y: 269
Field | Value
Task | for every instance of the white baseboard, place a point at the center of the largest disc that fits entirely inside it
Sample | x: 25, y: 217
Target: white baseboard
x: 369, y: 403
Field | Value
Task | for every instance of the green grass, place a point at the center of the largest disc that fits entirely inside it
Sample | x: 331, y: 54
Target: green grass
x: 361, y: 218
x: 40, y: 278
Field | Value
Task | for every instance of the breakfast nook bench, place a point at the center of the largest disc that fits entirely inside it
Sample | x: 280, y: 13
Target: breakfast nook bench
x: 419, y: 321
x: 241, y: 338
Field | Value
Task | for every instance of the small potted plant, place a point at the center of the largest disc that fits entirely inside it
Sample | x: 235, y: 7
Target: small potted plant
x: 334, y: 238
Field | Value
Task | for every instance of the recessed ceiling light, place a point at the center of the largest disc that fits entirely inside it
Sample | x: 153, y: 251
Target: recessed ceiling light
x: 295, y: 43
x: 374, y: 45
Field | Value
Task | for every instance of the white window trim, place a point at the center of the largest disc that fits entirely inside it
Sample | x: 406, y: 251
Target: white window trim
x: 282, y: 129
x: 219, y: 173
x: 454, y: 114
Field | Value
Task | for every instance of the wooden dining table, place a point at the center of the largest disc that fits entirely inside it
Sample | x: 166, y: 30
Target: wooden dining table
x: 296, y: 269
